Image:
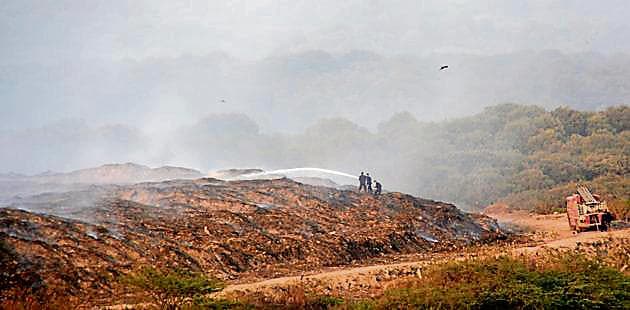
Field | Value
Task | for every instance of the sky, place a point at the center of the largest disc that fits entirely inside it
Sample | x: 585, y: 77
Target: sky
x: 121, y: 71
x: 42, y: 31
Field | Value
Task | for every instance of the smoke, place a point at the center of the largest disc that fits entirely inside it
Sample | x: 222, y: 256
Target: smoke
x: 316, y: 170
x: 338, y: 177
x: 276, y: 84
x: 157, y: 64
x: 43, y: 32
x: 288, y: 93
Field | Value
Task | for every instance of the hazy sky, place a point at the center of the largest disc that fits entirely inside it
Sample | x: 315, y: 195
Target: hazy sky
x: 112, y: 74
x: 42, y: 31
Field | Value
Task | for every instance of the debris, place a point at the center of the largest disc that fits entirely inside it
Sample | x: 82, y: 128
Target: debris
x: 302, y: 228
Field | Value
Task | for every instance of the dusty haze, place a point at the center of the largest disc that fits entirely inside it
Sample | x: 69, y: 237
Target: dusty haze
x: 212, y: 85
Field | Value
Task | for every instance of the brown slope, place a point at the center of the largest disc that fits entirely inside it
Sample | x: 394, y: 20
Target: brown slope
x: 14, y: 187
x: 233, y: 230
x: 118, y: 174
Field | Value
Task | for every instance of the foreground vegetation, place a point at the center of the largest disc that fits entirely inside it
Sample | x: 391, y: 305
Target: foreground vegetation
x: 173, y: 289
x: 567, y: 281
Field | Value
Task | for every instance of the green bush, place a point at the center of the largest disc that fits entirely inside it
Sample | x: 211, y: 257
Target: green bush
x: 206, y: 303
x: 325, y: 302
x: 558, y: 281
x: 174, y: 288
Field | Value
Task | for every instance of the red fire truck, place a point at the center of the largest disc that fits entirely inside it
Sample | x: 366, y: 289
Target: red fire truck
x: 587, y: 211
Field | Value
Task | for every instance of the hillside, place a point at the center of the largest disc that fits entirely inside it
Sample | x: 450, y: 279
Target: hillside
x: 531, y: 158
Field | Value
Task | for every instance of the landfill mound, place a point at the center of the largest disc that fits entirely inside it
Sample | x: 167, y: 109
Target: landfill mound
x: 236, y: 230
x: 110, y: 174
x: 16, y: 186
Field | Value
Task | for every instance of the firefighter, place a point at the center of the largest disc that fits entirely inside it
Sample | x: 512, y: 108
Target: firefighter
x: 379, y: 188
x: 362, y: 182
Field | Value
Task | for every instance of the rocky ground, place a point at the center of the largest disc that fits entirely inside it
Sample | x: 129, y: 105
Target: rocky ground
x: 240, y: 231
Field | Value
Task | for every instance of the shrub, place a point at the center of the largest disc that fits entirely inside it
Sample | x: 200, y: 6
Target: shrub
x: 620, y: 208
x: 173, y: 288
x: 206, y: 303
x: 556, y: 280
x: 325, y: 302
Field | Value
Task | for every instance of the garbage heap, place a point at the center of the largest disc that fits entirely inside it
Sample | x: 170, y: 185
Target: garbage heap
x: 236, y: 231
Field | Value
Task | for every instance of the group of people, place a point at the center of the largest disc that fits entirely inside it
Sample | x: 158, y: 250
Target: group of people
x: 365, y: 183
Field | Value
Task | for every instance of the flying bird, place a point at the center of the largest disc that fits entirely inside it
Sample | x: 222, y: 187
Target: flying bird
x: 222, y: 100
x: 443, y: 67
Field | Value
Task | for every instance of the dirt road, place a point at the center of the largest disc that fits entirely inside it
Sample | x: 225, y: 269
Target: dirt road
x: 559, y: 235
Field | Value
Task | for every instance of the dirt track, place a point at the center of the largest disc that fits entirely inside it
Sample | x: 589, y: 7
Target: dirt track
x: 553, y: 229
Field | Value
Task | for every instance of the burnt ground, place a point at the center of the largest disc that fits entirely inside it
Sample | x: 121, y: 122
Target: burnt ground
x: 238, y: 231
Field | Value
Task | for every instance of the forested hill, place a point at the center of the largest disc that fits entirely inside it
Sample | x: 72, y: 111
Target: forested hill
x: 525, y: 156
